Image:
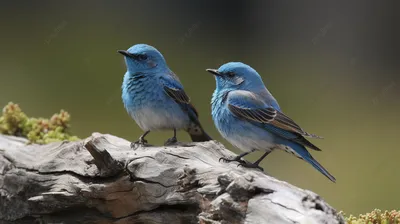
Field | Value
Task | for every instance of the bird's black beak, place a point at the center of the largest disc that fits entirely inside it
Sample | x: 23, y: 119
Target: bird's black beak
x: 213, y: 71
x: 126, y: 53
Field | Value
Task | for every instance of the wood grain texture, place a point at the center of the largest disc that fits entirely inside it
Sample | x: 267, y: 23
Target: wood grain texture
x: 102, y: 180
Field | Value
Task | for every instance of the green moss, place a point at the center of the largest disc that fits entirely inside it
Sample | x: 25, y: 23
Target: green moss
x: 38, y: 130
x: 375, y: 217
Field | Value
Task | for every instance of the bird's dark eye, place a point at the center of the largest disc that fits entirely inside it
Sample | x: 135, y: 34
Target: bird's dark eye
x: 142, y: 57
x: 230, y: 74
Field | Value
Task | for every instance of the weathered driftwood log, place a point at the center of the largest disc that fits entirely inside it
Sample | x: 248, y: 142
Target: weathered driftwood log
x: 102, y: 180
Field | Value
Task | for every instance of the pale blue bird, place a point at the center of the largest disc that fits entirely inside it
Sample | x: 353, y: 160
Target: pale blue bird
x: 249, y: 117
x: 154, y: 97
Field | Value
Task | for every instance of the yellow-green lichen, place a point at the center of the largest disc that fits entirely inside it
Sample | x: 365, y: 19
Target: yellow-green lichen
x: 38, y: 130
x: 375, y: 217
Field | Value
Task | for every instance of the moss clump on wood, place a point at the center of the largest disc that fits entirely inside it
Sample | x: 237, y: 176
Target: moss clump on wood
x: 376, y: 217
x: 38, y: 130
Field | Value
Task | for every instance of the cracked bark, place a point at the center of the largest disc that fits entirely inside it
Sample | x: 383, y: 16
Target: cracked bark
x: 102, y: 180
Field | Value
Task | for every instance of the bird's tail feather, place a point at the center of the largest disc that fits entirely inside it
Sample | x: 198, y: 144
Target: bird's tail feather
x: 200, y: 138
x: 304, y: 154
x: 309, y: 135
x: 197, y: 134
x: 319, y: 167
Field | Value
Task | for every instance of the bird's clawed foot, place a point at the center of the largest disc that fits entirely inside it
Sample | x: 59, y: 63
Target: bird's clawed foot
x: 256, y: 164
x: 171, y: 141
x: 242, y: 162
x: 141, y: 142
x: 234, y: 159
x: 251, y: 165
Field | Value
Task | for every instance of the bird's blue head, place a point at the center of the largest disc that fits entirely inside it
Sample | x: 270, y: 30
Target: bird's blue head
x: 236, y: 76
x: 143, y: 58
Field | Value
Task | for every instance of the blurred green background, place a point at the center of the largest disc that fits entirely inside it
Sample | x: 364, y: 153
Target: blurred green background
x: 332, y: 66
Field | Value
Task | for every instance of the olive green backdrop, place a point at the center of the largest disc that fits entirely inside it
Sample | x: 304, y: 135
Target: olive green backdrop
x: 332, y: 66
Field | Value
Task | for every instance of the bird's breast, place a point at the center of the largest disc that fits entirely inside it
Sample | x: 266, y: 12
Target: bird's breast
x: 147, y: 103
x: 223, y: 119
x: 240, y: 133
x: 139, y: 91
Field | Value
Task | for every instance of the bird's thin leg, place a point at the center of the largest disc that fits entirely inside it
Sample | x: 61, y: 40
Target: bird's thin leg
x: 236, y: 158
x: 141, y: 141
x: 256, y: 163
x: 172, y: 140
x: 141, y: 138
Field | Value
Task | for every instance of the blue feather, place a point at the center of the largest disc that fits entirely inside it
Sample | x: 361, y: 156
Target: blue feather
x: 153, y: 95
x: 249, y: 117
x: 304, y: 154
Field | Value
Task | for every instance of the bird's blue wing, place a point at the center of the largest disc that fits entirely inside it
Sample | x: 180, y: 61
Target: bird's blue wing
x: 174, y: 89
x: 251, y: 107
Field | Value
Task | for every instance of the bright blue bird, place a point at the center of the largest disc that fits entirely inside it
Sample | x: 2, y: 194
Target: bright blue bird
x: 154, y: 97
x: 249, y: 117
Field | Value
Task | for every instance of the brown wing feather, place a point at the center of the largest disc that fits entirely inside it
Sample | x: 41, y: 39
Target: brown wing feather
x: 284, y: 122
x: 276, y: 118
x: 258, y: 115
x: 177, y: 94
x: 180, y: 97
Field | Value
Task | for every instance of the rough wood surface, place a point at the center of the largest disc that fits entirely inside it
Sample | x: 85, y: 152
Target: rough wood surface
x: 102, y: 180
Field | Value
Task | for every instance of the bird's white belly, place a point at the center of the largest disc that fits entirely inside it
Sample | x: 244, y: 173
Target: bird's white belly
x: 152, y: 120
x: 247, y: 143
